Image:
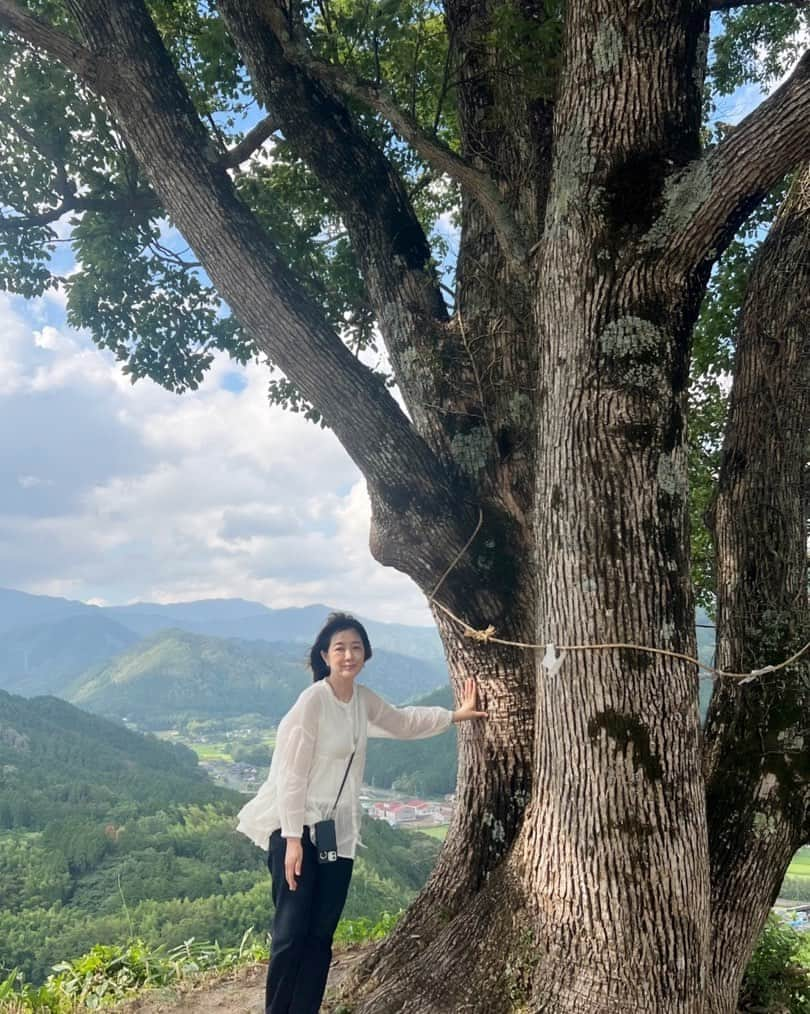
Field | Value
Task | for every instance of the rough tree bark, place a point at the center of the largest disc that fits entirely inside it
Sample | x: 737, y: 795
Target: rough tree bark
x: 757, y: 735
x: 551, y: 404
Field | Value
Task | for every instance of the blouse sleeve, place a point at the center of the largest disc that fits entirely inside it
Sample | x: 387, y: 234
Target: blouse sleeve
x: 387, y: 722
x: 297, y: 747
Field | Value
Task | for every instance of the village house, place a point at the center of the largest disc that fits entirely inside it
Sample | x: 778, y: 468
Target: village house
x: 392, y: 812
x: 396, y: 813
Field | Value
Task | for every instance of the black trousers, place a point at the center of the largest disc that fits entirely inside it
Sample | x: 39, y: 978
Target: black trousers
x: 303, y: 927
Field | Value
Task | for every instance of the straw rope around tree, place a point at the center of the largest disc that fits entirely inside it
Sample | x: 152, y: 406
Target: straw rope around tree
x: 486, y: 635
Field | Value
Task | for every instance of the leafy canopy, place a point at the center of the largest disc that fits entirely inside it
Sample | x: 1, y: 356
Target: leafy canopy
x: 68, y: 177
x: 135, y: 286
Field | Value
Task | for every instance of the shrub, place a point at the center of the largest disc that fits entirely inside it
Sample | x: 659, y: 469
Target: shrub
x: 358, y: 931
x: 777, y: 979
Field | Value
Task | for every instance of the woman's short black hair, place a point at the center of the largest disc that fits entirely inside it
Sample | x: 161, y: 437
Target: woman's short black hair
x: 334, y: 624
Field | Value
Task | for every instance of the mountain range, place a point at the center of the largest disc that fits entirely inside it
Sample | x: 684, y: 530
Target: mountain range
x: 213, y: 658
x: 214, y: 617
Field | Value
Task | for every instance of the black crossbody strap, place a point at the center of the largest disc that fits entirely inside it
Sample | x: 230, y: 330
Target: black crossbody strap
x: 355, y: 724
x: 345, y: 776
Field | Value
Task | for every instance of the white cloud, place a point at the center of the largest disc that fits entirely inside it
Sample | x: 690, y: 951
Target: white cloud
x: 30, y: 481
x: 48, y: 338
x: 14, y: 337
x: 115, y: 493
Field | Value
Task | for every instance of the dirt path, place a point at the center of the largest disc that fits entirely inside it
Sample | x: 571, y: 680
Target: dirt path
x: 237, y: 992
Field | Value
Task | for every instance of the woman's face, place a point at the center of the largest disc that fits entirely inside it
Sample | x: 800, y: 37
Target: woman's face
x: 346, y: 655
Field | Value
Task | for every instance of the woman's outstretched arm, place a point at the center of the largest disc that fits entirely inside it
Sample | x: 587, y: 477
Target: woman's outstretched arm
x: 386, y: 721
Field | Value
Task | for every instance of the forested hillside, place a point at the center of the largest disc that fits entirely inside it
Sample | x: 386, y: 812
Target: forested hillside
x: 175, y: 674
x: 45, y: 657
x: 60, y: 764
x: 172, y: 676
x: 108, y: 833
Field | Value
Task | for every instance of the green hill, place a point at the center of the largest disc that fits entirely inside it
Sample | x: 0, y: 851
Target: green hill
x: 46, y: 657
x: 106, y: 833
x: 55, y: 759
x: 175, y: 675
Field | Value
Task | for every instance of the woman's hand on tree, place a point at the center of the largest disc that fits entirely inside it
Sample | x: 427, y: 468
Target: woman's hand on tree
x: 293, y: 860
x: 469, y: 703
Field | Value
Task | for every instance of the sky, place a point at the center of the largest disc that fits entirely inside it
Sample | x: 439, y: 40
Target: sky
x: 113, y: 493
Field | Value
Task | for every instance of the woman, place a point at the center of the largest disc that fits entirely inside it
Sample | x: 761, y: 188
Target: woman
x: 321, y: 746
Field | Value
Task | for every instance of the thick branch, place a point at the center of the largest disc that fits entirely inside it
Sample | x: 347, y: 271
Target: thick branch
x: 376, y: 96
x: 251, y: 142
x: 389, y: 242
x: 156, y: 117
x: 43, y: 36
x: 706, y: 202
x: 758, y: 781
x: 74, y: 203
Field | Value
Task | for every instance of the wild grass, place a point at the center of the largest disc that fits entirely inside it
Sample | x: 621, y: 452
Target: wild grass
x: 108, y: 974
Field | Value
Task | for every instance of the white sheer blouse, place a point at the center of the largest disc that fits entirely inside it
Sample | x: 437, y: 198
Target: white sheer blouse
x: 314, y: 742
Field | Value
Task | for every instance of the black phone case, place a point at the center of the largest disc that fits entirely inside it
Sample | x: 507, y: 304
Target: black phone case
x: 326, y: 841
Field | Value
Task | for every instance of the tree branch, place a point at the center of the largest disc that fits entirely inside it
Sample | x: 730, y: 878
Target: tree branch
x: 251, y: 142
x: 387, y: 238
x: 706, y: 202
x: 74, y: 203
x: 376, y: 96
x: 62, y: 47
x: 155, y: 115
x: 755, y: 735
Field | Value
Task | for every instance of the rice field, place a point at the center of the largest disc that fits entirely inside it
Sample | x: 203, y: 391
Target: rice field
x: 434, y: 832
x: 800, y: 867
x: 211, y: 751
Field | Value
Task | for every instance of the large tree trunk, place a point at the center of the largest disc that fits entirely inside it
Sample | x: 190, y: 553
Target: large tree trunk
x: 757, y: 757
x: 614, y: 854
x: 613, y: 849
x: 602, y: 905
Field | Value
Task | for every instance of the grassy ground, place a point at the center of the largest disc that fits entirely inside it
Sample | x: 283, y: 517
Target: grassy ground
x: 800, y: 867
x: 434, y: 832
